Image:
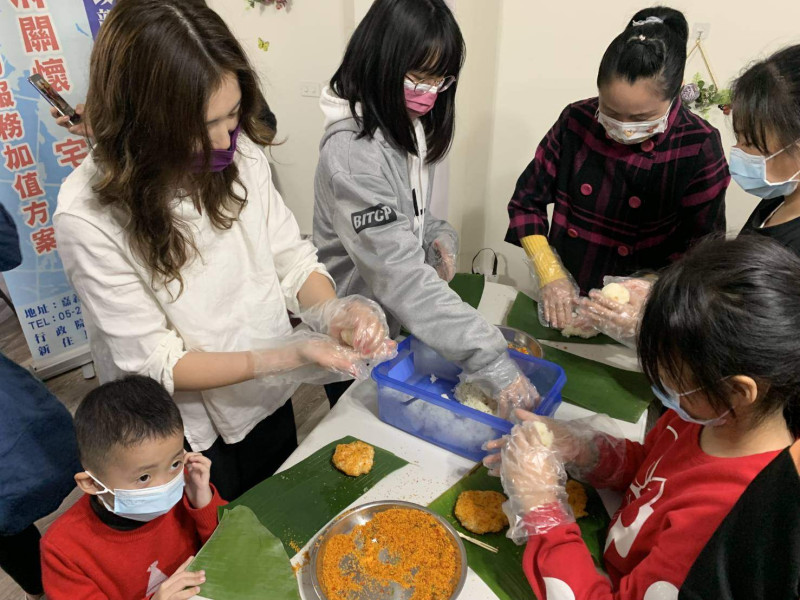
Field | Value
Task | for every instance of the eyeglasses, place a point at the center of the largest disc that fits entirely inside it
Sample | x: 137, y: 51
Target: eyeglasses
x: 421, y: 88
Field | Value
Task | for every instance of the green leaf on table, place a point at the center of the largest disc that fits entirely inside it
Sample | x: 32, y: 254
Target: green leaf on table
x: 469, y: 287
x: 601, y: 388
x: 619, y: 393
x: 243, y: 560
x: 502, y: 572
x: 296, y: 503
x: 524, y: 315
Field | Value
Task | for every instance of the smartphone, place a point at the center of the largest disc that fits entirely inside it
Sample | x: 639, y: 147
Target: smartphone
x: 54, y: 98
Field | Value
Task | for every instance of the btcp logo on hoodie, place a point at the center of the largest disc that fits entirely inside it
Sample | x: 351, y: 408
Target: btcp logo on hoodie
x: 373, y: 217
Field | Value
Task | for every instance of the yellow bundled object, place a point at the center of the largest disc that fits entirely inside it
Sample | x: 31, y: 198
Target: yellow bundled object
x: 546, y: 264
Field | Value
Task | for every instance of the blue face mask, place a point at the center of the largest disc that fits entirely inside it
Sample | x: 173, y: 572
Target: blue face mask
x: 750, y: 172
x: 672, y: 400
x: 144, y: 504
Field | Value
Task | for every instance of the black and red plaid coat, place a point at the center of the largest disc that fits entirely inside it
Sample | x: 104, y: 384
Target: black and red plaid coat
x: 621, y: 208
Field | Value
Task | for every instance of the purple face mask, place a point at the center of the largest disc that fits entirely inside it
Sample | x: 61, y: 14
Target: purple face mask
x: 220, y: 159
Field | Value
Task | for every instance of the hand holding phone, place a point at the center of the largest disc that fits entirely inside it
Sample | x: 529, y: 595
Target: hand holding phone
x: 54, y: 98
x: 82, y: 128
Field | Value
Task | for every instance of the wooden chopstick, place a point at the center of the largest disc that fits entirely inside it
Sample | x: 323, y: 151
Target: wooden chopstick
x: 478, y: 543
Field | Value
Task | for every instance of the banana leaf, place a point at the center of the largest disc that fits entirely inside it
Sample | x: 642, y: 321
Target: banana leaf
x: 502, y: 572
x: 619, y: 393
x: 243, y: 560
x: 299, y: 501
x: 469, y: 287
x: 601, y: 388
x: 524, y: 315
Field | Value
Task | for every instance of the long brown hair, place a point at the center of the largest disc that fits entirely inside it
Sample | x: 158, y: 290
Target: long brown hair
x: 154, y: 66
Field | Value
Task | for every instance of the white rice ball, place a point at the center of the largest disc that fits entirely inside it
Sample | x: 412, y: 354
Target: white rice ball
x: 617, y: 292
x: 545, y: 435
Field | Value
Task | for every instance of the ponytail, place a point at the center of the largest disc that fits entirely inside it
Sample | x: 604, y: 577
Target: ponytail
x: 653, y: 45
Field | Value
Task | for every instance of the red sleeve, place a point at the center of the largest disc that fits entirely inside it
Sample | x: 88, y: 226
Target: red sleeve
x: 205, y: 518
x: 703, y: 204
x: 63, y: 580
x: 527, y: 210
x: 559, y: 567
x: 615, y: 474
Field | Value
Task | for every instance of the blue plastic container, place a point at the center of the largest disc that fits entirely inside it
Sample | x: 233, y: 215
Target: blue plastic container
x: 411, y: 400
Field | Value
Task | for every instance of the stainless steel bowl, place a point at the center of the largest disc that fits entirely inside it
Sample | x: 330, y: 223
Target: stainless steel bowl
x: 348, y: 520
x: 522, y: 339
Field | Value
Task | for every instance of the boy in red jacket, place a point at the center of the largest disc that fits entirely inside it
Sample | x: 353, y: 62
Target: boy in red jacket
x: 148, y: 506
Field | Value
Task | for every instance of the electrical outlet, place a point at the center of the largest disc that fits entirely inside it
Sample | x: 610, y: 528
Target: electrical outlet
x: 700, y: 31
x: 310, y: 89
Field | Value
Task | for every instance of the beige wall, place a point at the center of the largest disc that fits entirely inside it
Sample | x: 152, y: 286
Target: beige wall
x: 525, y: 61
x: 306, y: 45
x: 546, y: 56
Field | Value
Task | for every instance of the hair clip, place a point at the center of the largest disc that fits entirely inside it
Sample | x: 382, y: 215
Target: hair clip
x: 642, y: 38
x: 647, y: 21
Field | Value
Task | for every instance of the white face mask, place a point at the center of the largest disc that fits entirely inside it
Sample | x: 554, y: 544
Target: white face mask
x: 144, y: 504
x: 633, y: 133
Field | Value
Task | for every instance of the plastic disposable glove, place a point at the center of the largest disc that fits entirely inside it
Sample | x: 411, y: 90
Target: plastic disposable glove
x: 557, y: 303
x: 520, y: 394
x: 502, y: 381
x: 354, y: 321
x: 579, y: 444
x: 533, y: 478
x: 557, y: 290
x: 308, y: 357
x: 441, y: 255
x: 618, y: 320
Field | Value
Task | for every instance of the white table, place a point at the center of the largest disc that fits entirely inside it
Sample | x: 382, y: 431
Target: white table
x: 433, y: 470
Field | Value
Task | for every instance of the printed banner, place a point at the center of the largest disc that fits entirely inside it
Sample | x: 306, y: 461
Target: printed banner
x: 52, y: 38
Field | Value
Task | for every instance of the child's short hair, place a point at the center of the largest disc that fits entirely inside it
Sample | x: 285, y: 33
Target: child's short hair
x: 729, y: 307
x: 123, y: 412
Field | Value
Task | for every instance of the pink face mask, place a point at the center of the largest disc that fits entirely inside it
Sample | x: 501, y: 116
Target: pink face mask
x: 419, y: 104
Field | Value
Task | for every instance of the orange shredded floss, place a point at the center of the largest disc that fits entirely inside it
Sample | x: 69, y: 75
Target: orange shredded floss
x: 398, y: 546
x: 522, y: 349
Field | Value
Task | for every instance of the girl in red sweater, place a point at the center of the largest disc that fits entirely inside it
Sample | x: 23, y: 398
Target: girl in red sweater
x: 719, y: 343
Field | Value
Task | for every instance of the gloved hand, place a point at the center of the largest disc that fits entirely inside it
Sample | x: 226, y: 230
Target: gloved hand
x: 533, y: 478
x: 578, y: 444
x: 503, y: 381
x: 617, y: 320
x: 556, y: 287
x: 354, y: 321
x: 521, y: 394
x: 557, y: 301
x: 441, y: 255
x: 307, y: 357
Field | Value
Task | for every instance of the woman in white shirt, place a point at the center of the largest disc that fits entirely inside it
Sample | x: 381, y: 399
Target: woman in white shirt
x: 184, y: 255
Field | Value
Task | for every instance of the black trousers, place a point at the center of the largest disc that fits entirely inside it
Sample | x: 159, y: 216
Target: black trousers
x: 19, y: 557
x: 334, y: 391
x: 235, y: 468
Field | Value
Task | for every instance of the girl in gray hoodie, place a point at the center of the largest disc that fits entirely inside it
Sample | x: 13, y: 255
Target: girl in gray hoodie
x: 389, y: 117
